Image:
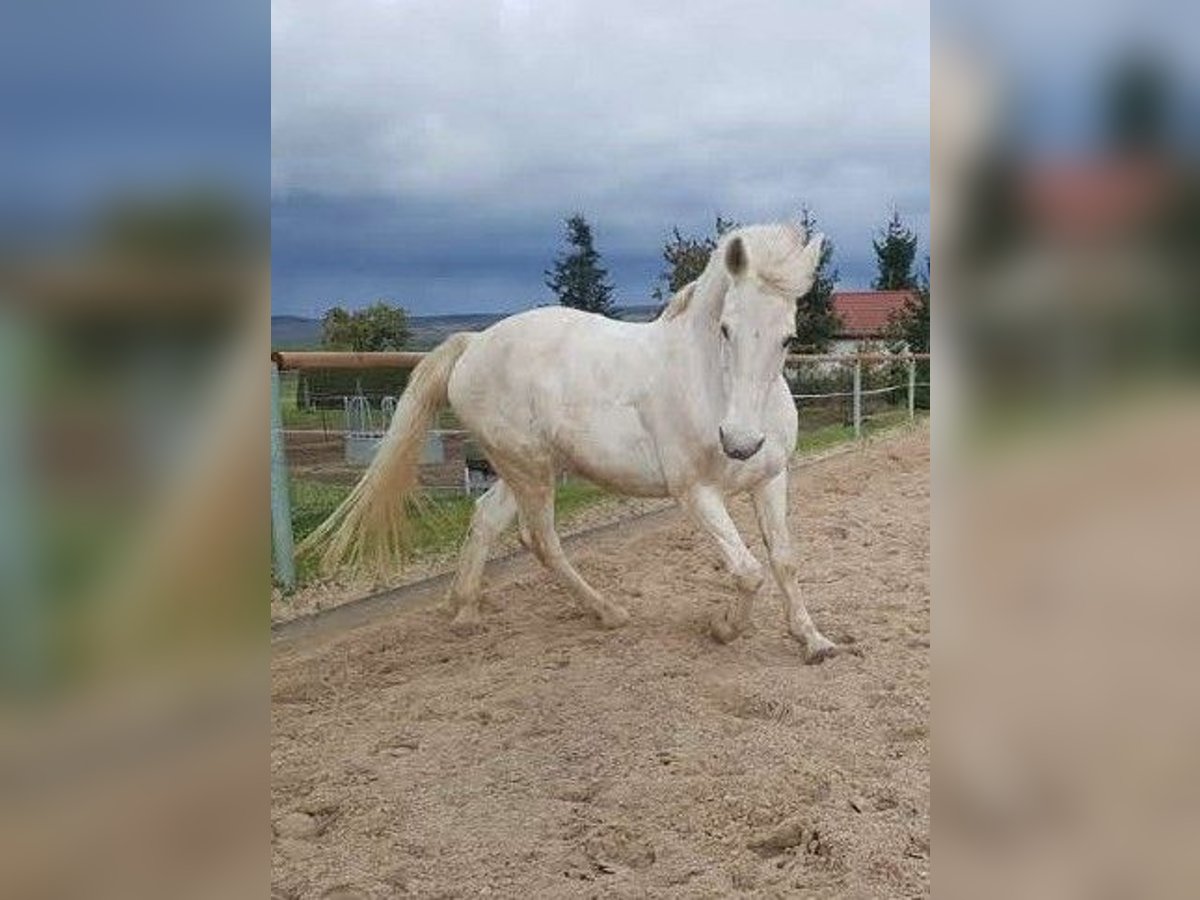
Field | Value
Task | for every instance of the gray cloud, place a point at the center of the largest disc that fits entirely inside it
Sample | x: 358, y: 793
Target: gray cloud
x: 466, y: 126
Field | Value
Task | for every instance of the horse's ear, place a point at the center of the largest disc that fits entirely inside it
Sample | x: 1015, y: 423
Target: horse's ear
x: 810, y: 256
x: 735, y: 257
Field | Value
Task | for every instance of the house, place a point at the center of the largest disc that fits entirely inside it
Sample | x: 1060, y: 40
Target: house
x: 865, y: 317
x: 1090, y: 201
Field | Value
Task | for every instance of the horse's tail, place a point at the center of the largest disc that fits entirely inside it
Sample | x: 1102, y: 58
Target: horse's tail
x: 370, y: 529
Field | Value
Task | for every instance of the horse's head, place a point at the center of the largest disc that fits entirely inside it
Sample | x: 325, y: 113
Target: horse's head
x: 769, y: 267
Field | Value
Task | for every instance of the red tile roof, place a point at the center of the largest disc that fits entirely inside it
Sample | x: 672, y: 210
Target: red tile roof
x: 867, y: 314
x: 1092, y: 198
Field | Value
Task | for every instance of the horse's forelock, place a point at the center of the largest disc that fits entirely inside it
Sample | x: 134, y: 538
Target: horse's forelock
x: 774, y: 256
x: 775, y: 253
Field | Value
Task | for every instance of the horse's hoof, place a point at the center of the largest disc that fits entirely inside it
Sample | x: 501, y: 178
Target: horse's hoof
x: 614, y: 617
x: 819, y: 650
x: 466, y: 623
x: 721, y: 629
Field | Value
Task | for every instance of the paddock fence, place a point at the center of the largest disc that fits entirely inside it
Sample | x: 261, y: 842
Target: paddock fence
x: 324, y: 432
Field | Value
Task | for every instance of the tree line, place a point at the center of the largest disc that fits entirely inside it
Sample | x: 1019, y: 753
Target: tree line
x: 578, y: 279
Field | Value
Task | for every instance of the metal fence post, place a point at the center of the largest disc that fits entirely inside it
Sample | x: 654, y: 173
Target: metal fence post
x: 281, y: 507
x: 858, y: 398
x: 912, y: 389
x: 24, y: 658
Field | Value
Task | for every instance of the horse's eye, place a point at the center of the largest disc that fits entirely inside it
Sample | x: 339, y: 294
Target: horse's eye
x: 724, y: 331
x: 787, y: 342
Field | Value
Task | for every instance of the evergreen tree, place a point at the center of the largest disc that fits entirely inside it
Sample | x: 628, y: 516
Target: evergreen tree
x: 895, y: 250
x: 1137, y: 105
x: 912, y: 325
x: 686, y: 257
x: 817, y: 322
x: 577, y: 278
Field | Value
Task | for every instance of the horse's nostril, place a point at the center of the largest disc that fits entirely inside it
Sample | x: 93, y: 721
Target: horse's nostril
x: 738, y: 446
x: 743, y: 453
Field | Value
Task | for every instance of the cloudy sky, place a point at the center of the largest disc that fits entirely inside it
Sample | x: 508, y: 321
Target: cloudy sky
x: 428, y: 151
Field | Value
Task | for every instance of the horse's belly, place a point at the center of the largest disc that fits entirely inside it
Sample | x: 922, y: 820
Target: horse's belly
x: 614, y: 451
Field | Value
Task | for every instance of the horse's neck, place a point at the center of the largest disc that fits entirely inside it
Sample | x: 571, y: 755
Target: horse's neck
x: 703, y: 311
x: 694, y: 334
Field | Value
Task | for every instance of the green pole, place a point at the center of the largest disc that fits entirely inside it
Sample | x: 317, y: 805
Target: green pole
x: 281, y: 508
x: 23, y: 626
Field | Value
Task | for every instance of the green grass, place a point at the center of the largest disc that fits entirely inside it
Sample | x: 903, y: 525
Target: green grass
x: 294, y: 417
x: 442, y: 523
x: 823, y: 437
x: 313, y: 419
x: 826, y: 436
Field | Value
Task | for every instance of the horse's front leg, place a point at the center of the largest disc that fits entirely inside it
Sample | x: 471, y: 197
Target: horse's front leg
x: 770, y: 502
x: 707, y: 507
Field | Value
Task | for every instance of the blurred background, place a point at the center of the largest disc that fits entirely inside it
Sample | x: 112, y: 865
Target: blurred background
x: 134, y: 298
x: 134, y: 537
x: 1066, y: 310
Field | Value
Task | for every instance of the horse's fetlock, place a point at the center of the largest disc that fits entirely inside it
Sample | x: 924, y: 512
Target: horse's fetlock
x: 750, y: 579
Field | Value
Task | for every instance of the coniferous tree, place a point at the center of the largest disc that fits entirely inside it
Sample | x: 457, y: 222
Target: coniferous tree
x: 895, y: 250
x: 686, y: 256
x: 577, y: 278
x: 817, y: 322
x: 911, y: 328
x: 1137, y: 105
x: 914, y: 321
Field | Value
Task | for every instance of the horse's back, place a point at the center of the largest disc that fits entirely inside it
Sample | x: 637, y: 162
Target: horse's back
x: 539, y: 349
x: 534, y: 354
x: 563, y: 385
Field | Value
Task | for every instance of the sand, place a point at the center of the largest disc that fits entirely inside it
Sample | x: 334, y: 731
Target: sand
x: 543, y: 757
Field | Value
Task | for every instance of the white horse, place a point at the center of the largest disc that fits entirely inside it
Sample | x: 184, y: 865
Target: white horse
x: 692, y: 406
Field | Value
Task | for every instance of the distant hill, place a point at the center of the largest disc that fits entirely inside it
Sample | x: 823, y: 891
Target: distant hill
x: 295, y: 333
x: 300, y: 333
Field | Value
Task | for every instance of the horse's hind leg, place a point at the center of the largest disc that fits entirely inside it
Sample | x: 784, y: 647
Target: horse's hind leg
x: 494, y: 512
x: 537, y: 512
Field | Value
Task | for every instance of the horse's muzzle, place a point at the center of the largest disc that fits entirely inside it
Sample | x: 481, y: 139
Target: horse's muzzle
x: 739, y: 444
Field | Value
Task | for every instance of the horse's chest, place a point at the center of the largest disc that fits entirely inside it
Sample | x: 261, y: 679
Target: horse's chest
x: 763, y: 466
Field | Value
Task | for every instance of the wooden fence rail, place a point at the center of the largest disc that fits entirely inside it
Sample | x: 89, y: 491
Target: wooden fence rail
x: 286, y: 360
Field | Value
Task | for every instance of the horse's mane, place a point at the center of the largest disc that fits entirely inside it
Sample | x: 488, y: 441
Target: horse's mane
x: 774, y: 254
x: 679, y: 301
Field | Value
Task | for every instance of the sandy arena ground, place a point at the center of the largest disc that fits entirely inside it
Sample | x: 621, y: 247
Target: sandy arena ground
x: 542, y: 757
